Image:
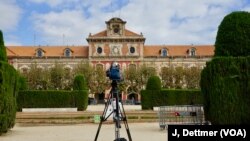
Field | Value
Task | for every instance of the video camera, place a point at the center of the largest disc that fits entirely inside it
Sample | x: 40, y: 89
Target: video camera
x: 114, y: 72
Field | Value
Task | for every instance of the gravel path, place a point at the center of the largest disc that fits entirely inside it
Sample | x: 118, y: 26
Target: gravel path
x: 84, y: 132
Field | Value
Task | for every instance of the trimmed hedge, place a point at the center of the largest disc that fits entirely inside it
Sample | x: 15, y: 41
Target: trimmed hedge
x: 3, y: 54
x: 52, y: 99
x: 23, y: 83
x: 233, y: 36
x: 79, y: 82
x: 165, y: 97
x: 154, y: 83
x: 225, y: 84
x: 8, y: 93
x: 81, y: 99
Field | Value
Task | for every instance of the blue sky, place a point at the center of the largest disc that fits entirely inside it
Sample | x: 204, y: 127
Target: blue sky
x: 69, y: 22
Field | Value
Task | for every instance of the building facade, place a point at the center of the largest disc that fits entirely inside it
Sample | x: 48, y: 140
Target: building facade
x: 115, y: 43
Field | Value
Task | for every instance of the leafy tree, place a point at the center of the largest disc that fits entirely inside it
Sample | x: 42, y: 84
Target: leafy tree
x: 56, y: 76
x: 88, y: 71
x: 131, y: 75
x: 132, y: 78
x: 38, y: 78
x: 100, y: 83
x: 144, y: 73
x: 3, y: 55
x: 68, y: 79
x: 178, y: 77
x: 167, y: 76
x: 192, y: 77
x: 233, y: 36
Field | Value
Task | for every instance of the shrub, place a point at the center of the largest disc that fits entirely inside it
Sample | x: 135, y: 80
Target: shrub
x: 23, y: 83
x: 8, y: 90
x: 167, y: 97
x: 225, y: 84
x: 8, y: 93
x: 225, y: 80
x: 45, y: 99
x: 3, y: 55
x: 154, y: 83
x: 81, y: 99
x: 79, y: 82
x: 52, y: 99
x: 233, y: 36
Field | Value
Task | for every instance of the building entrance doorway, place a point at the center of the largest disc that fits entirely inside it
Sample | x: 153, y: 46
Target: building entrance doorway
x: 132, y: 98
x: 100, y: 98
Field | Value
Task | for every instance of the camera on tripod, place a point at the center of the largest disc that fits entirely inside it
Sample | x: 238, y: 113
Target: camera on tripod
x: 114, y: 106
x: 114, y: 72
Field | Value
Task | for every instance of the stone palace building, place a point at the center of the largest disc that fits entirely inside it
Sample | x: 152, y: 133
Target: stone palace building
x: 115, y: 43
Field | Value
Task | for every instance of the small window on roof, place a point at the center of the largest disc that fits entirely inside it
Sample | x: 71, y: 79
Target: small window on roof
x: 39, y: 53
x: 67, y: 52
x: 164, y: 52
x: 192, y: 52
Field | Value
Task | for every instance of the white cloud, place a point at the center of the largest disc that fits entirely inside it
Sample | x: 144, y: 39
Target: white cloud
x: 178, y: 22
x: 161, y: 21
x: 9, y: 15
x: 68, y: 24
x: 54, y: 3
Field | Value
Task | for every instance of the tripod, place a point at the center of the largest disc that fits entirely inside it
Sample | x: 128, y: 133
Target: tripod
x: 118, y: 113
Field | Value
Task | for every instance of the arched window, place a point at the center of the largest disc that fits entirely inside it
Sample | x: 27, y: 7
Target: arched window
x: 24, y: 71
x: 67, y: 72
x: 99, y: 66
x: 132, y: 66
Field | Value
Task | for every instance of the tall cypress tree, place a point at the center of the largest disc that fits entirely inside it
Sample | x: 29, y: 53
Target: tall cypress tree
x: 8, y: 90
x: 225, y: 82
x: 154, y: 83
x: 79, y: 82
x: 3, y: 56
x: 233, y: 36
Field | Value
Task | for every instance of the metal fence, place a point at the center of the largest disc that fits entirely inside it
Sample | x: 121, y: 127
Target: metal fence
x: 180, y: 114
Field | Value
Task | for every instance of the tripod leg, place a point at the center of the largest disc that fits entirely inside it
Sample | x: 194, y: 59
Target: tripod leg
x: 117, y: 116
x: 102, y: 118
x: 127, y: 129
x: 99, y: 128
x: 124, y: 118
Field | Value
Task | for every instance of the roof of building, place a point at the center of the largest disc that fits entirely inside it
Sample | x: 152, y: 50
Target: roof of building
x: 104, y: 33
x: 49, y: 51
x: 82, y: 51
x: 178, y: 50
